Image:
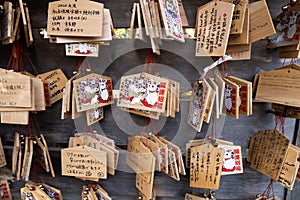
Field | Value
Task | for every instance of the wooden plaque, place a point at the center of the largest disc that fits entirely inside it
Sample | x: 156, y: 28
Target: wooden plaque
x: 164, y: 154
x: 170, y: 13
x: 39, y: 96
x: 215, y: 87
x: 264, y: 157
x: 15, y: 90
x: 133, y: 21
x: 154, y: 147
x: 18, y: 117
x: 286, y: 111
x: 82, y: 49
x: 213, y: 27
x: 178, y: 155
x: 47, y: 93
x: 92, y: 91
x: 293, y: 47
x: 52, y: 192
x: 289, y: 169
x: 237, y: 54
x: 101, y: 194
x: 245, y: 94
x: 221, y: 85
x: 37, y: 102
x: 107, y: 31
x: 242, y: 38
x: 5, y: 190
x: 42, y: 155
x: 198, y: 104
x: 232, y: 98
x: 6, y: 23
x: 199, y: 142
x: 84, y: 161
x: 261, y: 24
x: 96, y: 144
x: 279, y: 86
x: 183, y: 17
x: 27, y: 160
x: 193, y: 197
x: 206, y: 166
x: 103, y: 139
x: 16, y: 149
x: 146, y: 188
x: 145, y: 19
x: 94, y: 115
x: 145, y: 113
x: 232, y: 160
x: 143, y: 91
x: 188, y: 146
x: 57, y: 81
x: 28, y: 28
x: 173, y: 166
x: 43, y: 140
x: 289, y: 54
x: 2, y: 155
x: 239, y: 15
x: 75, y: 113
x: 139, y: 157
x: 142, y: 161
x: 140, y: 33
x: 75, y: 18
x: 210, y: 103
x: 286, y: 24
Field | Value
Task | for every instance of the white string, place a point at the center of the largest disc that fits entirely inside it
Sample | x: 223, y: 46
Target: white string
x: 220, y: 61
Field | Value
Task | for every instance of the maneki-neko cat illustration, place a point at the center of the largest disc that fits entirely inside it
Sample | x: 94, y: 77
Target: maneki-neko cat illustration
x: 287, y: 28
x: 92, y: 91
x: 145, y: 93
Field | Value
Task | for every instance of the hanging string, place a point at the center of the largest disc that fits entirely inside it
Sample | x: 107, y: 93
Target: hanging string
x: 27, y: 57
x: 80, y: 62
x: 225, y: 69
x: 18, y: 57
x: 209, y: 72
x: 33, y: 130
x: 9, y: 62
x: 84, y: 65
x: 14, y: 58
x: 154, y: 128
x: 89, y: 66
x: 85, y: 129
x: 147, y: 120
x: 150, y: 63
x: 283, y: 64
x: 36, y: 172
x: 279, y: 123
x: 37, y: 124
x: 145, y: 69
x: 293, y: 61
x: 213, y: 127
x: 29, y: 134
x: 268, y: 190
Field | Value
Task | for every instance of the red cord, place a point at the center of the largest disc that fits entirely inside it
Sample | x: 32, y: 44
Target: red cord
x: 155, y: 130
x: 145, y: 124
x: 149, y: 63
x: 88, y: 65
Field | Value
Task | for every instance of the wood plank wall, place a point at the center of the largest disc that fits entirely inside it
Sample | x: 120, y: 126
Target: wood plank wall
x: 177, y: 62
